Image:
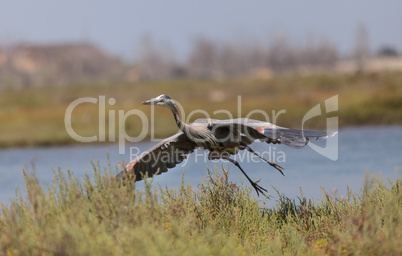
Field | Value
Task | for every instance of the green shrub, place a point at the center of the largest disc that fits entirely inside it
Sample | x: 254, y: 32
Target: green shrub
x: 101, y: 216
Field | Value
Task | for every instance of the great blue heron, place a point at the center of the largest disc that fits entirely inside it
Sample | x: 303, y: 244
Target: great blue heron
x: 221, y: 137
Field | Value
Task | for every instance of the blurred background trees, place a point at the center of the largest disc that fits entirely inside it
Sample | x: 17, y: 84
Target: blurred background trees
x: 362, y: 48
x: 25, y: 65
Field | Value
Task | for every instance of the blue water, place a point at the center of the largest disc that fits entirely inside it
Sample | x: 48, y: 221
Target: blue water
x: 362, y: 150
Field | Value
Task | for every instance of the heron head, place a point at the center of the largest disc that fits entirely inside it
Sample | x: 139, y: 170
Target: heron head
x: 162, y: 101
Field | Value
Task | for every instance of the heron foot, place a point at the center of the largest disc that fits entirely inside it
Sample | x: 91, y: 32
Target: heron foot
x: 255, y: 185
x: 258, y: 188
x: 277, y: 166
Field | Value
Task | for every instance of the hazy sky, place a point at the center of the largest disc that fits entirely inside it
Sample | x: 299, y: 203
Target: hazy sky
x: 118, y: 25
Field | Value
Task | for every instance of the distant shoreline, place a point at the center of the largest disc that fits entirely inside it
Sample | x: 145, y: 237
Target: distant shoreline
x: 35, y: 116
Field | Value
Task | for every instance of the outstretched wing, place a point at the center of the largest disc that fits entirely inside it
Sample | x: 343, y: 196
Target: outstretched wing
x: 160, y: 158
x: 264, y: 131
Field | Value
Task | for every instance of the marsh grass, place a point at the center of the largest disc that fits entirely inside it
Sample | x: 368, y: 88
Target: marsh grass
x: 35, y: 116
x: 100, y: 216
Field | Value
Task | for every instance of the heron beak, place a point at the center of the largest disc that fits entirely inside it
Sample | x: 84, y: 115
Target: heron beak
x: 149, y: 102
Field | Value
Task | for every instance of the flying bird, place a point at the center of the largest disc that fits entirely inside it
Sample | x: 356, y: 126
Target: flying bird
x: 222, y: 138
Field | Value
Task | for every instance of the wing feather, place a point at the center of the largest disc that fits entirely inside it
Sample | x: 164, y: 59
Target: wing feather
x: 160, y: 158
x: 265, y: 131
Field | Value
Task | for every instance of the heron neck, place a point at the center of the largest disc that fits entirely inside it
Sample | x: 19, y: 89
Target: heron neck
x: 179, y: 123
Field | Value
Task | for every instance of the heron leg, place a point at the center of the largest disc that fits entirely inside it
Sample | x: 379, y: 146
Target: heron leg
x: 275, y: 165
x: 257, y: 187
